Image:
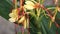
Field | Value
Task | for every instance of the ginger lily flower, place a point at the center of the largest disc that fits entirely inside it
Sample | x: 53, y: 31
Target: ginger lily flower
x: 24, y: 22
x: 13, y: 16
x: 29, y: 5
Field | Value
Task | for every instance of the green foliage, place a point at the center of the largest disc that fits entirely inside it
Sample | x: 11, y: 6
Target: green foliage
x: 5, y: 8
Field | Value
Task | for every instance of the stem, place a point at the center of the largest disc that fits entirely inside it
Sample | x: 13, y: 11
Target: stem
x: 28, y: 23
x: 22, y: 29
x: 15, y: 3
x: 50, y: 24
x: 57, y: 25
x: 53, y: 18
x: 38, y: 12
x: 21, y: 3
x: 48, y: 11
x: 15, y: 28
x: 45, y: 13
x: 55, y: 14
x: 21, y: 8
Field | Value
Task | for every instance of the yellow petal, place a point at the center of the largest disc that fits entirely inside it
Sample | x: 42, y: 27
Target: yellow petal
x: 12, y: 19
x: 29, y: 3
x: 22, y: 19
x: 11, y: 15
x: 29, y: 7
x: 14, y: 11
x: 14, y: 14
x: 25, y: 24
x: 58, y: 9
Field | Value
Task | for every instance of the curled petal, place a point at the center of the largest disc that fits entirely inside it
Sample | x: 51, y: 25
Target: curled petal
x: 22, y: 19
x: 25, y: 24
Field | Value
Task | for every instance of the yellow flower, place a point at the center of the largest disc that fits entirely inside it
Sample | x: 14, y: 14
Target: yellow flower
x: 13, y: 16
x: 22, y: 19
x: 24, y: 22
x: 29, y: 5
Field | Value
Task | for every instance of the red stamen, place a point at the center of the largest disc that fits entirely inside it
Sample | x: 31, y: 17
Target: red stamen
x: 18, y: 9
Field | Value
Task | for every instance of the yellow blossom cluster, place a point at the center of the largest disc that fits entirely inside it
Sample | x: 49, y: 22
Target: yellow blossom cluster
x: 29, y: 5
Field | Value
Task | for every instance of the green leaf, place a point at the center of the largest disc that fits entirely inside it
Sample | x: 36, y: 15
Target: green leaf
x: 5, y: 8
